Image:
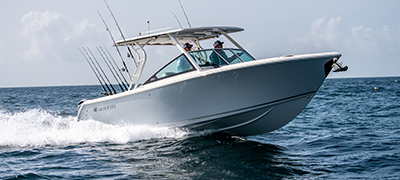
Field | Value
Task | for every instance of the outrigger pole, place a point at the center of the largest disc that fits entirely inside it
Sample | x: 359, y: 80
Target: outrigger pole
x: 112, y: 72
x: 102, y: 86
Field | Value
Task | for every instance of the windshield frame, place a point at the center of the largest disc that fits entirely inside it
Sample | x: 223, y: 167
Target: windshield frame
x: 203, y: 65
x: 202, y: 56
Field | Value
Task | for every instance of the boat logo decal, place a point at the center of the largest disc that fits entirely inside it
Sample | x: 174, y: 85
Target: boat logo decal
x: 102, y: 108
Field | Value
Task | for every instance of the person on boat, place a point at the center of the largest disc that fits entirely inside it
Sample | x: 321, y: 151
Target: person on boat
x: 183, y: 63
x: 215, y: 58
x: 187, y: 47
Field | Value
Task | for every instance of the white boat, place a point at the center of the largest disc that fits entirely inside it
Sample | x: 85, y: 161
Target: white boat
x: 241, y: 95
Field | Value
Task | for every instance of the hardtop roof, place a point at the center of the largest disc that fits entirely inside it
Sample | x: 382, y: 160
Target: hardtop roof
x: 182, y: 35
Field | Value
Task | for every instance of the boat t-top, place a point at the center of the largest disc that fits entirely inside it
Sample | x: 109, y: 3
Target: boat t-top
x: 217, y: 89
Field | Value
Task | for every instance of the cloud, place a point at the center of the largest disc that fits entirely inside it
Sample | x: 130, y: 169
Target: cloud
x: 324, y: 35
x: 81, y: 27
x: 334, y: 35
x: 35, y: 21
x: 51, y: 36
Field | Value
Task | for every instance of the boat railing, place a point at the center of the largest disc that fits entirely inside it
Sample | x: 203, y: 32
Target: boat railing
x: 140, y: 64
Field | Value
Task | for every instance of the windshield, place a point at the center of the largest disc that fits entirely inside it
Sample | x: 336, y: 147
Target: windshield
x: 205, y: 58
x: 220, y: 57
x: 177, y: 66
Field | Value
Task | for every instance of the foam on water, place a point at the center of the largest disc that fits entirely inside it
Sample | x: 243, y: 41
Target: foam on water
x: 39, y: 128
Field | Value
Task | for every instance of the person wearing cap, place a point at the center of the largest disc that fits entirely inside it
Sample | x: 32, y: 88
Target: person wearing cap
x: 218, y: 44
x: 215, y: 58
x: 187, y: 47
x: 183, y: 63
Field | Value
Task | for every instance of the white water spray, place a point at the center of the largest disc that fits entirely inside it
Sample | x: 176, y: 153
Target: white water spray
x: 39, y: 128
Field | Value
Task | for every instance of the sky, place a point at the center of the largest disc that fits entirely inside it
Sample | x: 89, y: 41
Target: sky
x: 40, y: 40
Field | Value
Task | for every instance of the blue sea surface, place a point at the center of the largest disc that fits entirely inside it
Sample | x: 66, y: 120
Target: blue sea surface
x: 350, y: 130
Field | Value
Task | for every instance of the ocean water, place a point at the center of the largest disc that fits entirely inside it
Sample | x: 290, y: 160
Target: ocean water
x: 350, y: 130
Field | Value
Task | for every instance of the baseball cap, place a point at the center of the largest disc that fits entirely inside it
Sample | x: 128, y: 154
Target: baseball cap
x: 218, y: 43
x: 187, y: 45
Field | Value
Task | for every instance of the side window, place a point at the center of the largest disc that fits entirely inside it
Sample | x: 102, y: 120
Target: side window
x: 243, y: 54
x: 230, y: 57
x: 179, y: 65
x: 183, y: 64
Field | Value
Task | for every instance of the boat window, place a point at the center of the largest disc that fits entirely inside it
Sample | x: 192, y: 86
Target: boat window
x: 233, y: 59
x: 243, y: 55
x: 209, y: 57
x: 205, y: 58
x: 220, y: 56
x: 177, y: 66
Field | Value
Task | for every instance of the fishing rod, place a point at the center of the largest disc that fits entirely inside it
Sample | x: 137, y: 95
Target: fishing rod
x: 184, y: 13
x: 102, y: 70
x: 108, y: 88
x: 102, y: 86
x: 115, y: 66
x: 112, y: 72
x: 119, y: 52
x: 123, y: 37
x: 177, y: 20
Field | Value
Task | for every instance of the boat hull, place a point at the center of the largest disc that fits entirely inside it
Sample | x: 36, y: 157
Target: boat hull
x: 246, y: 98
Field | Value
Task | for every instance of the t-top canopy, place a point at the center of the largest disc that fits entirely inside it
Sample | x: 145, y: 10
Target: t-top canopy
x: 182, y: 35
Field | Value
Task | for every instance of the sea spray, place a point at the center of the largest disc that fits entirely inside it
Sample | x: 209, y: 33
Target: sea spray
x: 38, y: 127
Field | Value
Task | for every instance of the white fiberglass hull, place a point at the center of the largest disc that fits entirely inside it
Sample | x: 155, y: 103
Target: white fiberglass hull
x: 246, y: 98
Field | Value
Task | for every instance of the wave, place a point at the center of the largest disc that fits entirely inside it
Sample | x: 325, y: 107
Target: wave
x: 38, y: 127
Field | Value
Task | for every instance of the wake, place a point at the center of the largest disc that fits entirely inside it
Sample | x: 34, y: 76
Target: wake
x: 41, y: 128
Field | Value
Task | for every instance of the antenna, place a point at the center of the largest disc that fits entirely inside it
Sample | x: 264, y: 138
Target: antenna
x: 183, y: 9
x: 148, y: 25
x: 177, y: 20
